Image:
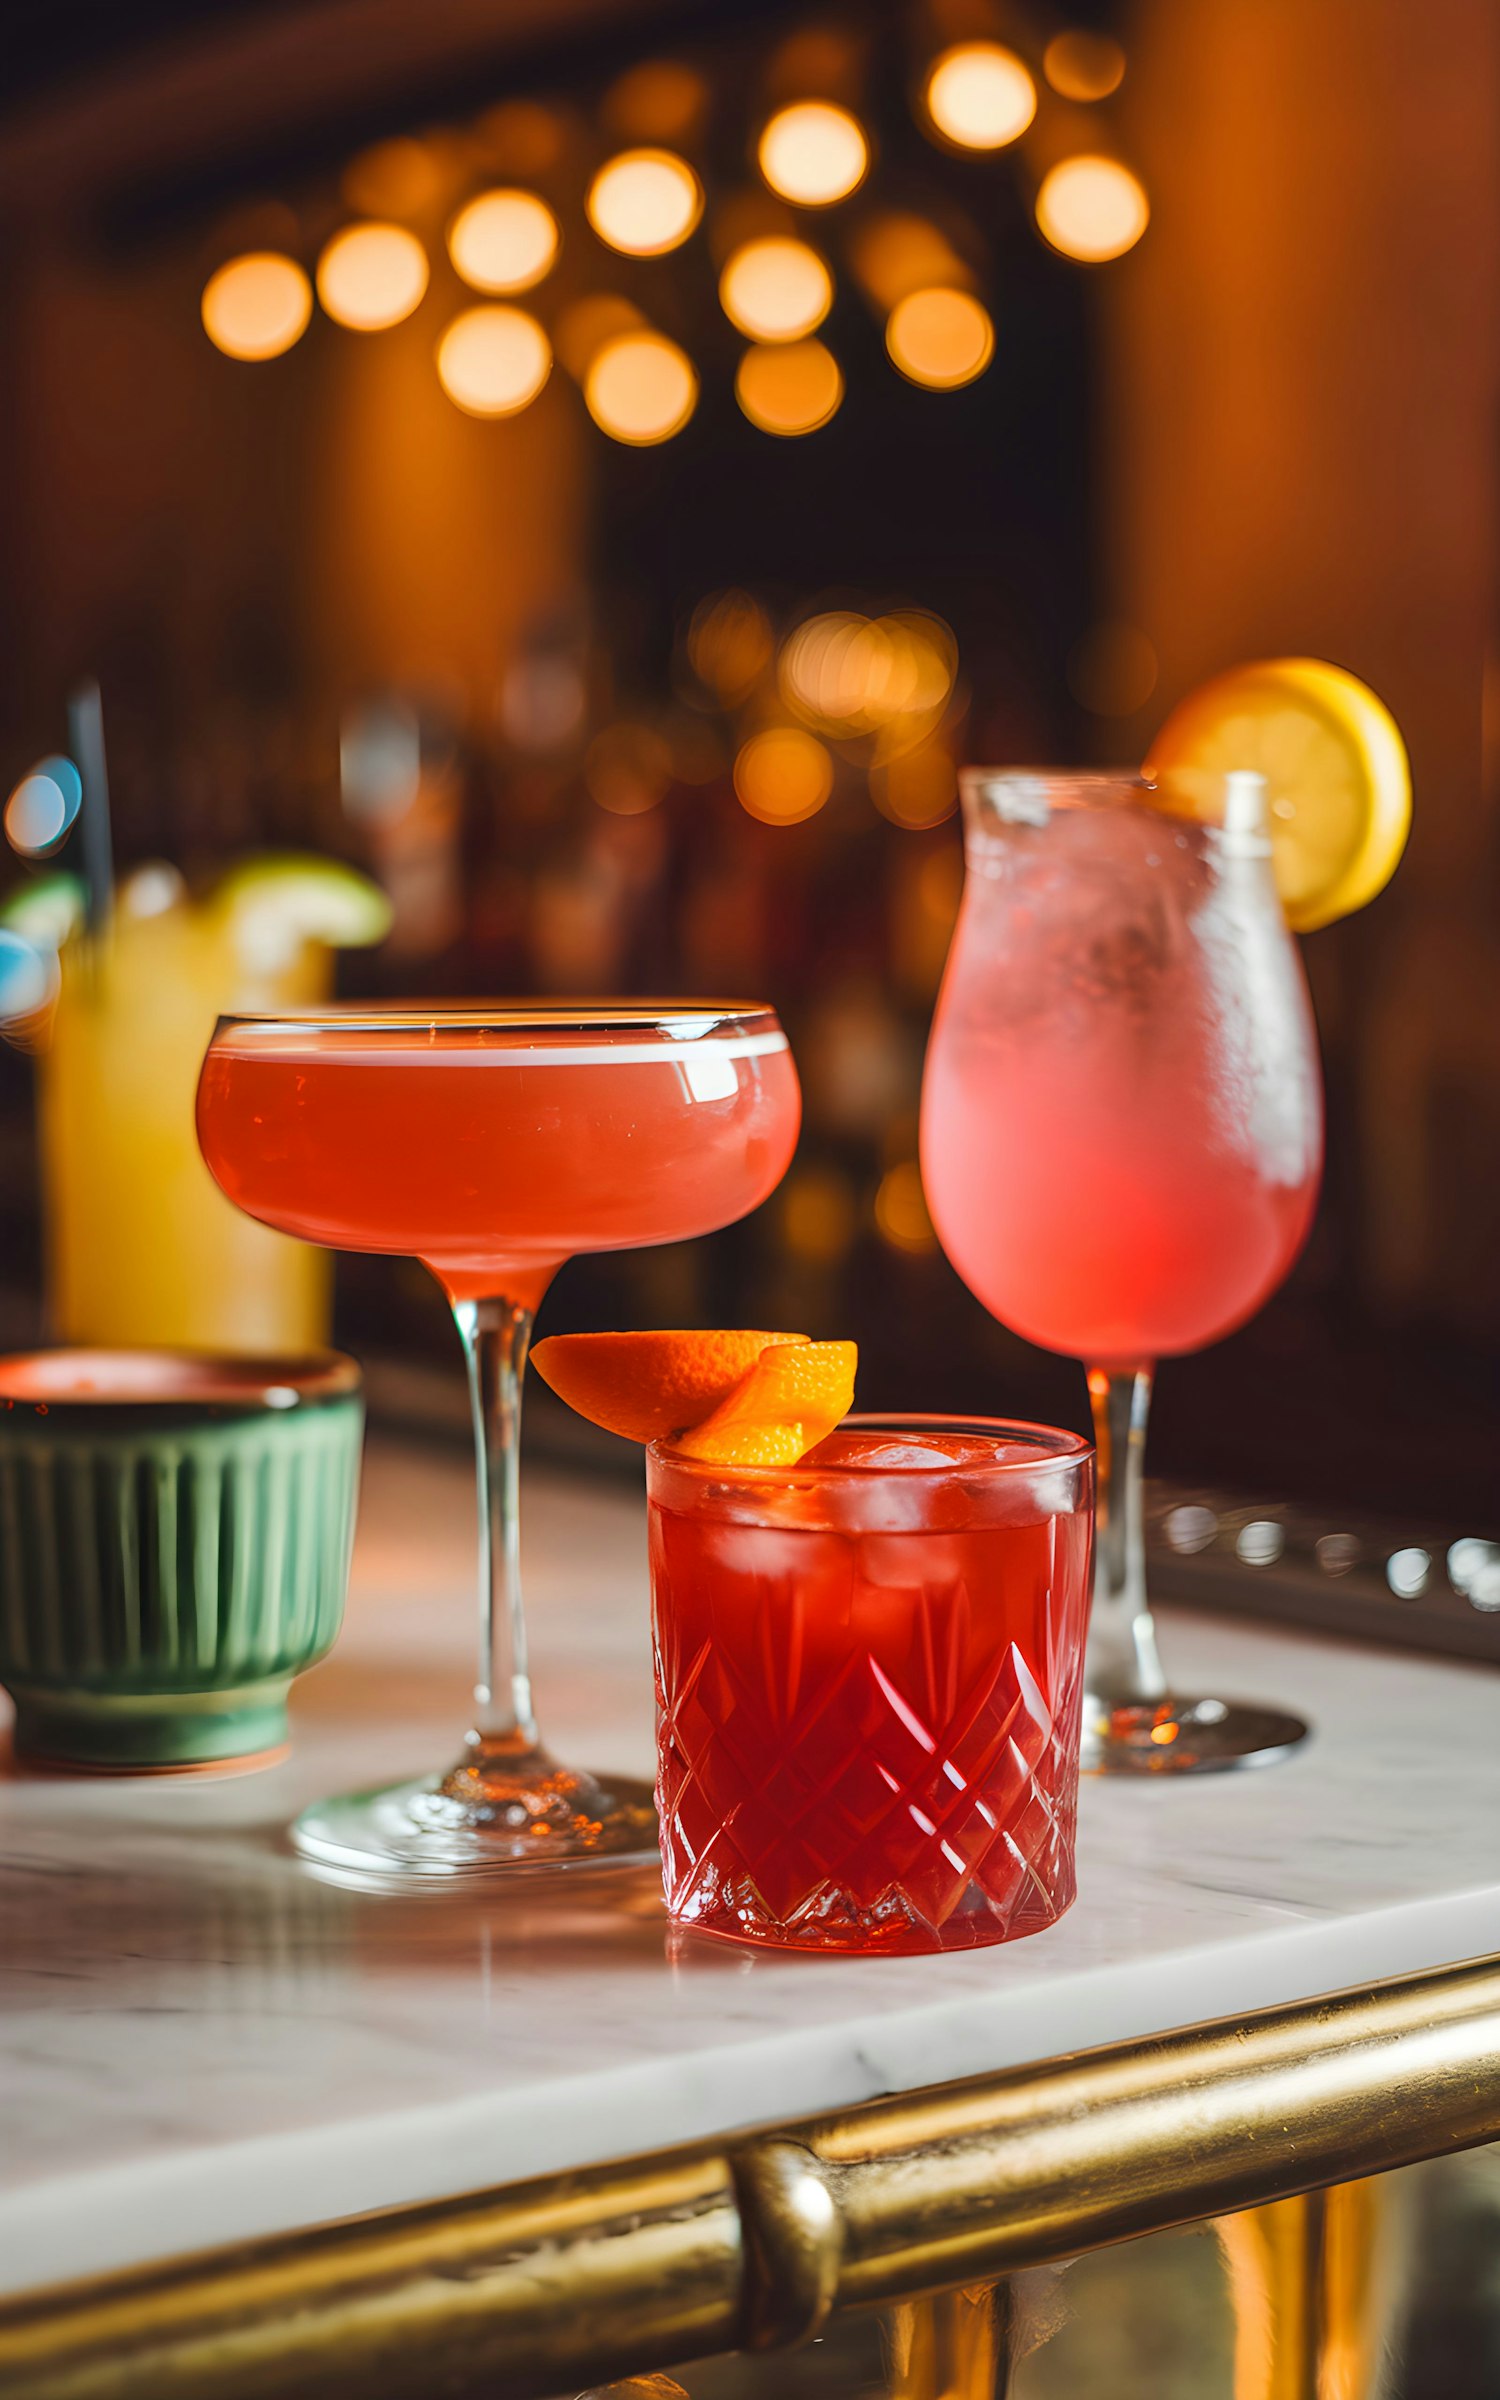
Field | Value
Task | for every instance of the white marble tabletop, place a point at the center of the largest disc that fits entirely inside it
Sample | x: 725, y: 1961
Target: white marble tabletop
x: 199, y: 2042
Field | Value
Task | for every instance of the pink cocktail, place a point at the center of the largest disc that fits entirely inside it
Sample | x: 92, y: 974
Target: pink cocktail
x: 493, y: 1143
x: 869, y: 1676
x: 1122, y: 1136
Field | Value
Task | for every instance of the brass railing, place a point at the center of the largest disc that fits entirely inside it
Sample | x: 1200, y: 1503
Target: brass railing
x: 544, y: 2286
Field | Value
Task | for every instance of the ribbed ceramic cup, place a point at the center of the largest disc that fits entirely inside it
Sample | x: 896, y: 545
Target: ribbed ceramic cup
x: 175, y: 1532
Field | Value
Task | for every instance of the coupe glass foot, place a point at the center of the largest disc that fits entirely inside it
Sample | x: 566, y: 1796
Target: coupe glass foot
x: 504, y: 1810
x: 1179, y: 1736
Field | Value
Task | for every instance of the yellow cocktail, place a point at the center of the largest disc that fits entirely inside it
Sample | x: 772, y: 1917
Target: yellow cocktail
x: 141, y: 1246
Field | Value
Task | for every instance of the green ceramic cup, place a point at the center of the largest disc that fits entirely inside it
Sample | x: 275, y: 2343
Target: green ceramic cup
x: 175, y: 1532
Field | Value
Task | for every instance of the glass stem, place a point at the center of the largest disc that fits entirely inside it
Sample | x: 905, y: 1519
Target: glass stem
x: 1122, y: 1663
x: 496, y: 1335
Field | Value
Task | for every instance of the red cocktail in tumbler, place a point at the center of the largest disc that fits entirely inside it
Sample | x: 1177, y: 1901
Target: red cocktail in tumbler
x: 869, y: 1679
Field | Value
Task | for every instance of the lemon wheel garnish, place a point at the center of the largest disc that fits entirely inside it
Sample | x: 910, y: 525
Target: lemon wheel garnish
x: 1338, y: 786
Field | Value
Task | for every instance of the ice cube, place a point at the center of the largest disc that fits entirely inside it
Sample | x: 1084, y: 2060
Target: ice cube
x: 894, y: 1454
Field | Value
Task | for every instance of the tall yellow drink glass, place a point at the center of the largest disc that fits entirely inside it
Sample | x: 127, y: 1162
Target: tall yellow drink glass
x: 141, y: 1246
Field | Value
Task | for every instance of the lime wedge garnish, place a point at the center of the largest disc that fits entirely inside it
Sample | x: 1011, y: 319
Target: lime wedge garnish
x: 278, y: 902
x: 45, y: 911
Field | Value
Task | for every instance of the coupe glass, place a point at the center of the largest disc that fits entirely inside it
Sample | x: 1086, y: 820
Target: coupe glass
x: 1121, y: 1145
x: 493, y: 1142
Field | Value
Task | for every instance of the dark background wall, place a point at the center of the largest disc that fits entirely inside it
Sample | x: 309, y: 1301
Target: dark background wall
x: 1271, y: 427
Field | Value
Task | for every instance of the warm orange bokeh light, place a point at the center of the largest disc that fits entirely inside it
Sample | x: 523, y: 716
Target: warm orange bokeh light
x: 818, y: 1216
x: 662, y: 100
x: 492, y: 361
x: 849, y: 675
x: 917, y: 788
x: 814, y: 153
x: 371, y: 276
x: 775, y: 290
x: 1084, y: 66
x: 1092, y: 208
x: 256, y: 306
x: 898, y: 253
x: 729, y: 643
x: 645, y: 202
x: 403, y: 177
x: 940, y: 338
x: 901, y: 1210
x: 505, y: 241
x: 641, y: 388
x: 783, y: 775
x: 789, y: 387
x: 980, y: 96
x: 520, y: 138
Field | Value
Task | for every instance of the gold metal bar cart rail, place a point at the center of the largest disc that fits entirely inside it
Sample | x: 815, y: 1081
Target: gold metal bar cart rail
x: 754, y: 2243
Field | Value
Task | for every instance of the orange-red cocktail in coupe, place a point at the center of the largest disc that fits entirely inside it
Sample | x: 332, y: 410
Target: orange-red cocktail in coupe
x: 493, y: 1143
x: 494, y: 1153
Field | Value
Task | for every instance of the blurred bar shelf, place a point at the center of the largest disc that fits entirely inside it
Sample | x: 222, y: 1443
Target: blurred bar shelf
x: 264, y: 2133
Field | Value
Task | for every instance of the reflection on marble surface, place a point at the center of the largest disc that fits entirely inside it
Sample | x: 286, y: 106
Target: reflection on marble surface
x: 200, y: 2041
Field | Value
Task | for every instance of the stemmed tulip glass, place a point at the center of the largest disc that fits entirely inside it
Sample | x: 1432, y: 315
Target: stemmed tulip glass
x: 493, y: 1142
x: 1122, y: 1140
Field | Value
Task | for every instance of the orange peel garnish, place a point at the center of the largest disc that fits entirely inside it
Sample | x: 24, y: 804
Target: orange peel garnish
x: 791, y: 1400
x: 650, y: 1386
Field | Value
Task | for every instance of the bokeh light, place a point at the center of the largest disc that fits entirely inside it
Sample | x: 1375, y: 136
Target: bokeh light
x: 1092, y: 208
x: 783, y: 775
x: 640, y: 388
x: 371, y: 276
x: 645, y: 202
x: 380, y: 760
x: 901, y: 1210
x: 897, y: 253
x: 543, y: 700
x: 662, y: 100
x: 980, y: 96
x: 917, y: 788
x: 813, y: 153
x: 504, y: 241
x: 940, y: 338
x: 789, y: 388
x: 493, y: 360
x: 43, y: 808
x: 627, y: 768
x: 522, y: 137
x: 256, y: 306
x: 729, y: 643
x: 775, y: 290
x: 404, y: 177
x: 29, y: 983
x: 1112, y: 669
x: 1084, y: 66
x: 817, y: 1211
x: 850, y: 675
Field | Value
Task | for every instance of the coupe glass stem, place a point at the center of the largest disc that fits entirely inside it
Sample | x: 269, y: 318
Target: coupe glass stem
x: 1122, y: 1665
x: 496, y: 1335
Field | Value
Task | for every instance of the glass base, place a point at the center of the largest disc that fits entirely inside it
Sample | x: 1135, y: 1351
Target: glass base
x: 506, y: 1809
x: 841, y: 1928
x: 1179, y: 1736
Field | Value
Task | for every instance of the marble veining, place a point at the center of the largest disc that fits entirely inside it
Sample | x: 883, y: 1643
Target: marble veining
x: 200, y: 2042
